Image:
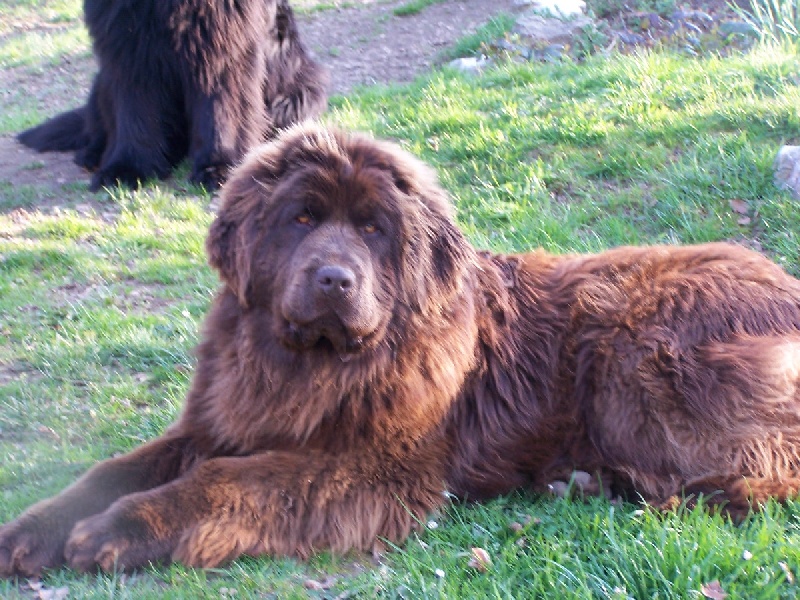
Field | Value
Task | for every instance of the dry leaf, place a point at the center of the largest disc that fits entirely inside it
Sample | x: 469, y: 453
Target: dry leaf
x: 743, y: 221
x: 313, y: 584
x: 480, y: 560
x: 739, y: 206
x: 515, y: 527
x: 787, y: 571
x: 713, y: 590
x: 53, y: 593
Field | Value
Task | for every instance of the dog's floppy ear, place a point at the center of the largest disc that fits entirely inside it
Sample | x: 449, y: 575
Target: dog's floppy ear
x: 244, y: 199
x: 437, y: 254
x: 438, y: 259
x: 229, y: 239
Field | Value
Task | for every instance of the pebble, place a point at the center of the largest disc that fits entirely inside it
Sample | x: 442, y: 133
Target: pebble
x: 787, y: 169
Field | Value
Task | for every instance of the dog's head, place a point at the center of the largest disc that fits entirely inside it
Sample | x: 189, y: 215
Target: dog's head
x: 337, y: 236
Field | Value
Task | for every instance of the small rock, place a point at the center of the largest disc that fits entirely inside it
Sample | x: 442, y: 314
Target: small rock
x: 727, y: 28
x: 560, y: 8
x: 629, y: 38
x: 559, y: 489
x: 549, y: 30
x: 696, y: 15
x: 470, y: 64
x: 506, y: 45
x: 553, y: 52
x: 787, y: 169
x: 581, y: 478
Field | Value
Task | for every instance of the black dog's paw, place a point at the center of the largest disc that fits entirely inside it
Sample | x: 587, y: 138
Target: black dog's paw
x: 211, y: 177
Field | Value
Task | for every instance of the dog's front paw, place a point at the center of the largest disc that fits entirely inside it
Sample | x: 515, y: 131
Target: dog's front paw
x: 28, y: 545
x: 113, y: 541
x: 96, y: 543
x: 210, y: 177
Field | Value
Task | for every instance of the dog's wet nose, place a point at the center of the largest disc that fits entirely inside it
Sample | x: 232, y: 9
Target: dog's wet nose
x: 335, y: 279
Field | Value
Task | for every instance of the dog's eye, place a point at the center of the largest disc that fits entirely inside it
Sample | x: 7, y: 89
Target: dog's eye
x: 304, y: 218
x: 370, y: 228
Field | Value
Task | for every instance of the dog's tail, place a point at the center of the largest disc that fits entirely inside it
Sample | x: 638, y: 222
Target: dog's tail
x: 296, y: 84
x: 62, y: 133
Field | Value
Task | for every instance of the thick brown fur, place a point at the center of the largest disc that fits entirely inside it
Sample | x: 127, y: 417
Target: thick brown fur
x: 362, y: 358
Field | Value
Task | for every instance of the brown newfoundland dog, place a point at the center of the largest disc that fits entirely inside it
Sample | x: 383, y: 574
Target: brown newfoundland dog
x: 362, y: 358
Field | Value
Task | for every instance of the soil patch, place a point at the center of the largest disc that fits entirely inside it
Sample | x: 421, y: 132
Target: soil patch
x: 368, y: 44
x: 361, y: 44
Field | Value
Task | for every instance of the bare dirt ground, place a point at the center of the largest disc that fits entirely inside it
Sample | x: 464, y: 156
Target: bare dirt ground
x: 368, y: 44
x: 361, y: 44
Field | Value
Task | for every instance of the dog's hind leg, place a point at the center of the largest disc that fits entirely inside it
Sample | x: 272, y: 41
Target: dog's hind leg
x: 735, y: 496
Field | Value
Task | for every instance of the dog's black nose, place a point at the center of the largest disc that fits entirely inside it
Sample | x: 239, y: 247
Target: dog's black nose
x: 335, y: 279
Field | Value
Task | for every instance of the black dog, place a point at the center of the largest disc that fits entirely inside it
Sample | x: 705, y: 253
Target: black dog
x: 207, y: 78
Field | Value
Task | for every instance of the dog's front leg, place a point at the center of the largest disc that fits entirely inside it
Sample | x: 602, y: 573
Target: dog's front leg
x: 278, y: 503
x: 35, y: 540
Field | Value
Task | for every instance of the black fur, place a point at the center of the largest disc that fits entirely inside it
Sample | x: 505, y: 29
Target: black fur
x: 207, y: 78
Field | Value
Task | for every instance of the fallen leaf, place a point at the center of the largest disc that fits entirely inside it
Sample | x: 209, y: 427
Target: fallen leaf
x: 743, y: 221
x: 515, y: 527
x: 313, y: 584
x: 787, y: 571
x: 713, y: 590
x: 480, y: 560
x: 53, y: 593
x: 739, y: 206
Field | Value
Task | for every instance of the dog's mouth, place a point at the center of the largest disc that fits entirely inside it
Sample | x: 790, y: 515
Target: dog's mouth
x: 327, y: 337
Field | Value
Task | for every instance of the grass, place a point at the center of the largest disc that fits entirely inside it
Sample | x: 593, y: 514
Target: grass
x: 471, y: 43
x: 775, y: 21
x: 413, y: 7
x: 41, y: 32
x: 101, y: 297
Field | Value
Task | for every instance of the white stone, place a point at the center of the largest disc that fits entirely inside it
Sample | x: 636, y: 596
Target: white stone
x: 787, y: 169
x: 563, y: 8
x: 470, y: 64
x: 549, y: 30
